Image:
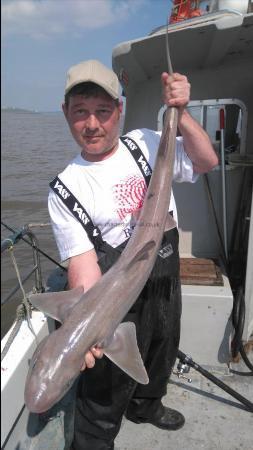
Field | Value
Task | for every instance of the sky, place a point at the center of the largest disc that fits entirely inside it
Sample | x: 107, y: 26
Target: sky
x: 41, y: 39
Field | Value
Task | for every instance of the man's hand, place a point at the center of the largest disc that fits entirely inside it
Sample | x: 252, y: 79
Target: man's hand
x: 176, y: 90
x: 197, y: 144
x: 90, y: 357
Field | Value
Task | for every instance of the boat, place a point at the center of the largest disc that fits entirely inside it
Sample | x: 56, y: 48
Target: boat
x: 212, y: 380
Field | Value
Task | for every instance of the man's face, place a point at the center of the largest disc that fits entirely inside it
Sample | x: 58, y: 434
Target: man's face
x: 94, y: 124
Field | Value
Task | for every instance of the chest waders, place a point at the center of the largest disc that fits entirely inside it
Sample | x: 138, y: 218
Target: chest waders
x: 105, y: 391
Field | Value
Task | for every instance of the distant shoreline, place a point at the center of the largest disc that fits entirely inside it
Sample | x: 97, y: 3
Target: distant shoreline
x: 27, y: 111
x: 13, y: 109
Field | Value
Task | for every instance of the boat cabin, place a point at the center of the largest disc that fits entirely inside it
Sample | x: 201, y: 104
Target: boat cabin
x: 215, y: 51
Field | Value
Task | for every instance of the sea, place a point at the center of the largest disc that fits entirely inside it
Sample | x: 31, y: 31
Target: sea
x: 35, y: 148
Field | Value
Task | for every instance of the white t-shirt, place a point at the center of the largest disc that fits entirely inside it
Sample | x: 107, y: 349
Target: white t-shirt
x: 111, y: 191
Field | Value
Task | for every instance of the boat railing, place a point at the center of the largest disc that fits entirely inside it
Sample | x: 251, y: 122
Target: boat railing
x: 8, y: 244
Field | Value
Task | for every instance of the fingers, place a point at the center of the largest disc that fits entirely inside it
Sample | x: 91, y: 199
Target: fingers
x: 90, y: 357
x: 97, y: 352
x: 167, y: 78
x: 176, y: 89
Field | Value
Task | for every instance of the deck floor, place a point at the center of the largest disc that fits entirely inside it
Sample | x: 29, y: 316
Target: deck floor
x: 213, y: 418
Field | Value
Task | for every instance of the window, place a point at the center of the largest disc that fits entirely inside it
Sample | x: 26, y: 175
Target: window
x: 207, y: 113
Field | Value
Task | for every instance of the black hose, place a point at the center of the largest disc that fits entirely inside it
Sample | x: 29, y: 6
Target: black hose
x: 210, y: 198
x: 188, y: 360
x: 238, y: 319
x: 238, y: 263
x: 235, y: 272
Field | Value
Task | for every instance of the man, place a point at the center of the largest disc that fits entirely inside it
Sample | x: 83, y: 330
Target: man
x: 110, y: 186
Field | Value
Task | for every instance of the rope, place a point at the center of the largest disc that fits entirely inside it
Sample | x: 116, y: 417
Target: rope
x: 23, y: 311
x: 20, y: 316
x: 170, y: 69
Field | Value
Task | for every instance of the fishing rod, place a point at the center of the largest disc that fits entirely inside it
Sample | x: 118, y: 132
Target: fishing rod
x: 18, y: 234
x: 188, y: 361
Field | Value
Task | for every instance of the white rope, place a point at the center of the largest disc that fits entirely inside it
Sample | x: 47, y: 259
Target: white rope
x: 23, y: 311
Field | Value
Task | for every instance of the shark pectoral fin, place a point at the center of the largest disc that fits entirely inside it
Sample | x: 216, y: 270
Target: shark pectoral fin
x: 170, y: 223
x: 123, y: 351
x: 57, y: 304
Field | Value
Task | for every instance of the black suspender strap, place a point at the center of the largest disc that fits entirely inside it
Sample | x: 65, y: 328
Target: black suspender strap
x: 78, y: 211
x: 138, y: 156
x: 75, y: 207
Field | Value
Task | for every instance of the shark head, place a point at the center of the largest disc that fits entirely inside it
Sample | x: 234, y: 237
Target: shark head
x: 46, y: 382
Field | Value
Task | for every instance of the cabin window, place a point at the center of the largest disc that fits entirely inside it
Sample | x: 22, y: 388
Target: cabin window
x: 208, y: 114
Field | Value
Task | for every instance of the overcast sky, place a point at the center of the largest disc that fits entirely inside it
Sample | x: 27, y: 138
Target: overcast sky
x: 41, y: 39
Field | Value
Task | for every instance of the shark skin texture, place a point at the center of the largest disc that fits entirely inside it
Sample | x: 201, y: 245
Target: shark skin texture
x: 94, y: 317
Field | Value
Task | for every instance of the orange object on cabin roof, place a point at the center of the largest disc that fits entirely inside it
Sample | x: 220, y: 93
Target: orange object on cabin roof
x: 184, y: 9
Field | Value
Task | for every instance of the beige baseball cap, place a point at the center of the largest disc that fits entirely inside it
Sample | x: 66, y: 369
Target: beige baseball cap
x: 95, y: 72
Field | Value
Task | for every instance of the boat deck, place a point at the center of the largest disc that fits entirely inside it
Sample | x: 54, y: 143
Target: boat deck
x: 200, y: 271
x: 213, y: 418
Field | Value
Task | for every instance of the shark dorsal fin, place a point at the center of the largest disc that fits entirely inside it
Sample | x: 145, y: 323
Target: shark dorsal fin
x: 141, y: 254
x: 57, y: 304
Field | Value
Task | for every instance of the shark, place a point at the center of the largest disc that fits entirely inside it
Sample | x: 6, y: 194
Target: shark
x: 94, y: 318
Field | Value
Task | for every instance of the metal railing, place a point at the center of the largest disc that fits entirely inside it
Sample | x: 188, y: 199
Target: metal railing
x: 9, y: 242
